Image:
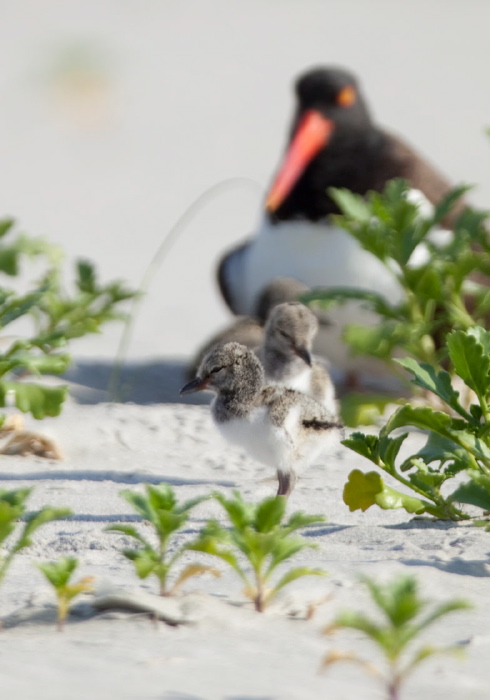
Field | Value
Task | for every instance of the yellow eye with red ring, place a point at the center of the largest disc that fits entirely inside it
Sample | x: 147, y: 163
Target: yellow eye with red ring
x: 347, y: 96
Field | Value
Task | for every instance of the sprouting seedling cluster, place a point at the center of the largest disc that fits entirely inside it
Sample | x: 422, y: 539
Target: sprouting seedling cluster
x: 405, y: 616
x: 258, y: 533
x: 59, y: 574
x: 13, y: 507
x: 160, y: 508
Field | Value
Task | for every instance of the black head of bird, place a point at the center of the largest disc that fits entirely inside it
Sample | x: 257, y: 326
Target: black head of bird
x: 333, y: 142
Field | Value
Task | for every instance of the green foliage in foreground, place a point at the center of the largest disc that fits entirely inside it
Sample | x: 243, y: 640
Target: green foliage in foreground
x: 405, y: 616
x: 12, y: 508
x: 59, y: 573
x: 257, y: 533
x: 161, y: 509
x: 458, y: 439
x: 436, y: 293
x: 443, y: 280
x: 56, y: 318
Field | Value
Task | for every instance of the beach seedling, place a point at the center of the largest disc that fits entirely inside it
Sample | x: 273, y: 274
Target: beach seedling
x: 160, y: 508
x: 59, y: 573
x: 405, y: 616
x: 257, y: 533
x: 442, y: 277
x: 458, y: 438
x: 12, y: 509
x: 57, y: 317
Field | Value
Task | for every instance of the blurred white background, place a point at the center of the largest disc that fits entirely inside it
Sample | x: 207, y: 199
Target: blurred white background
x: 117, y: 114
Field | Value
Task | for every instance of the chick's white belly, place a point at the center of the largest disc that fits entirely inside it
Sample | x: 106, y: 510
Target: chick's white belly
x: 301, y: 381
x: 255, y: 434
x: 282, y: 447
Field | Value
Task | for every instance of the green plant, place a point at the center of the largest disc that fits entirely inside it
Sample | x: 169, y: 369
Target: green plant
x: 257, y: 533
x: 161, y: 509
x: 441, y: 280
x: 12, y: 508
x: 458, y: 438
x: 57, y: 318
x: 405, y: 617
x: 58, y: 574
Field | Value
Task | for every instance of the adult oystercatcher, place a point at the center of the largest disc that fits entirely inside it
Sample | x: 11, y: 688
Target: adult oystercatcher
x: 333, y: 143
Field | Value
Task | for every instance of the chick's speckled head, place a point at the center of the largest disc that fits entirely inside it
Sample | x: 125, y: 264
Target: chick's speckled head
x: 228, y: 368
x: 291, y: 328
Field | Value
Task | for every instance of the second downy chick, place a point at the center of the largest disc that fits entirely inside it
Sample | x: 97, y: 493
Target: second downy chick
x: 286, y: 353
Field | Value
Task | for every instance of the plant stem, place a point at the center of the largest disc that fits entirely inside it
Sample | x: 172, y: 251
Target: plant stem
x: 393, y: 682
x: 62, y: 613
x: 259, y: 597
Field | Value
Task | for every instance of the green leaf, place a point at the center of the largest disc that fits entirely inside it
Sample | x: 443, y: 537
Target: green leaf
x: 353, y: 205
x: 209, y: 545
x: 470, y: 361
x: 446, y: 204
x: 361, y: 490
x: 286, y: 548
x: 325, y: 297
x: 87, y: 279
x: 376, y: 341
x: 441, y: 449
x: 482, y: 336
x: 365, y: 445
x: 293, y: 575
x: 269, y: 513
x: 145, y: 560
x: 390, y: 447
x: 239, y: 512
x: 59, y: 573
x: 475, y: 492
x: 130, y: 531
x: 438, y: 382
x: 358, y: 621
x: 421, y: 417
x: 299, y: 520
x: 5, y: 226
x: 365, y: 490
x: 35, y: 520
x: 40, y: 401
x: 140, y: 504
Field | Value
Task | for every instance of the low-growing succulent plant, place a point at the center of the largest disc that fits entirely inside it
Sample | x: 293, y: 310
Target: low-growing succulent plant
x: 405, y: 615
x: 59, y: 573
x: 257, y: 532
x: 161, y: 509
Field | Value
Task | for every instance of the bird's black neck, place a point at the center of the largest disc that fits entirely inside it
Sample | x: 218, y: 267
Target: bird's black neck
x: 349, y: 161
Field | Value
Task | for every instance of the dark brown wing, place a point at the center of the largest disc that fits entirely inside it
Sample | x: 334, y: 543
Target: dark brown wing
x: 403, y: 161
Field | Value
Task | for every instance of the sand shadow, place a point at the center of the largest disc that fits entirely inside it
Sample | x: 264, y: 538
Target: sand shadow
x: 114, y: 476
x: 461, y: 567
x: 323, y: 529
x: 425, y: 524
x: 141, y: 383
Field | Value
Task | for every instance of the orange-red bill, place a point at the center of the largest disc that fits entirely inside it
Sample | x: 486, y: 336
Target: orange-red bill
x: 311, y: 136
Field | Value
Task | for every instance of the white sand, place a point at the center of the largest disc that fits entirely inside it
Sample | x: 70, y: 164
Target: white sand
x: 229, y: 652
x: 189, y: 94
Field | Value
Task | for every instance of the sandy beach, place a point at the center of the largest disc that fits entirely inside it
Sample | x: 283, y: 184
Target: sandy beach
x: 223, y: 648
x: 178, y: 97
